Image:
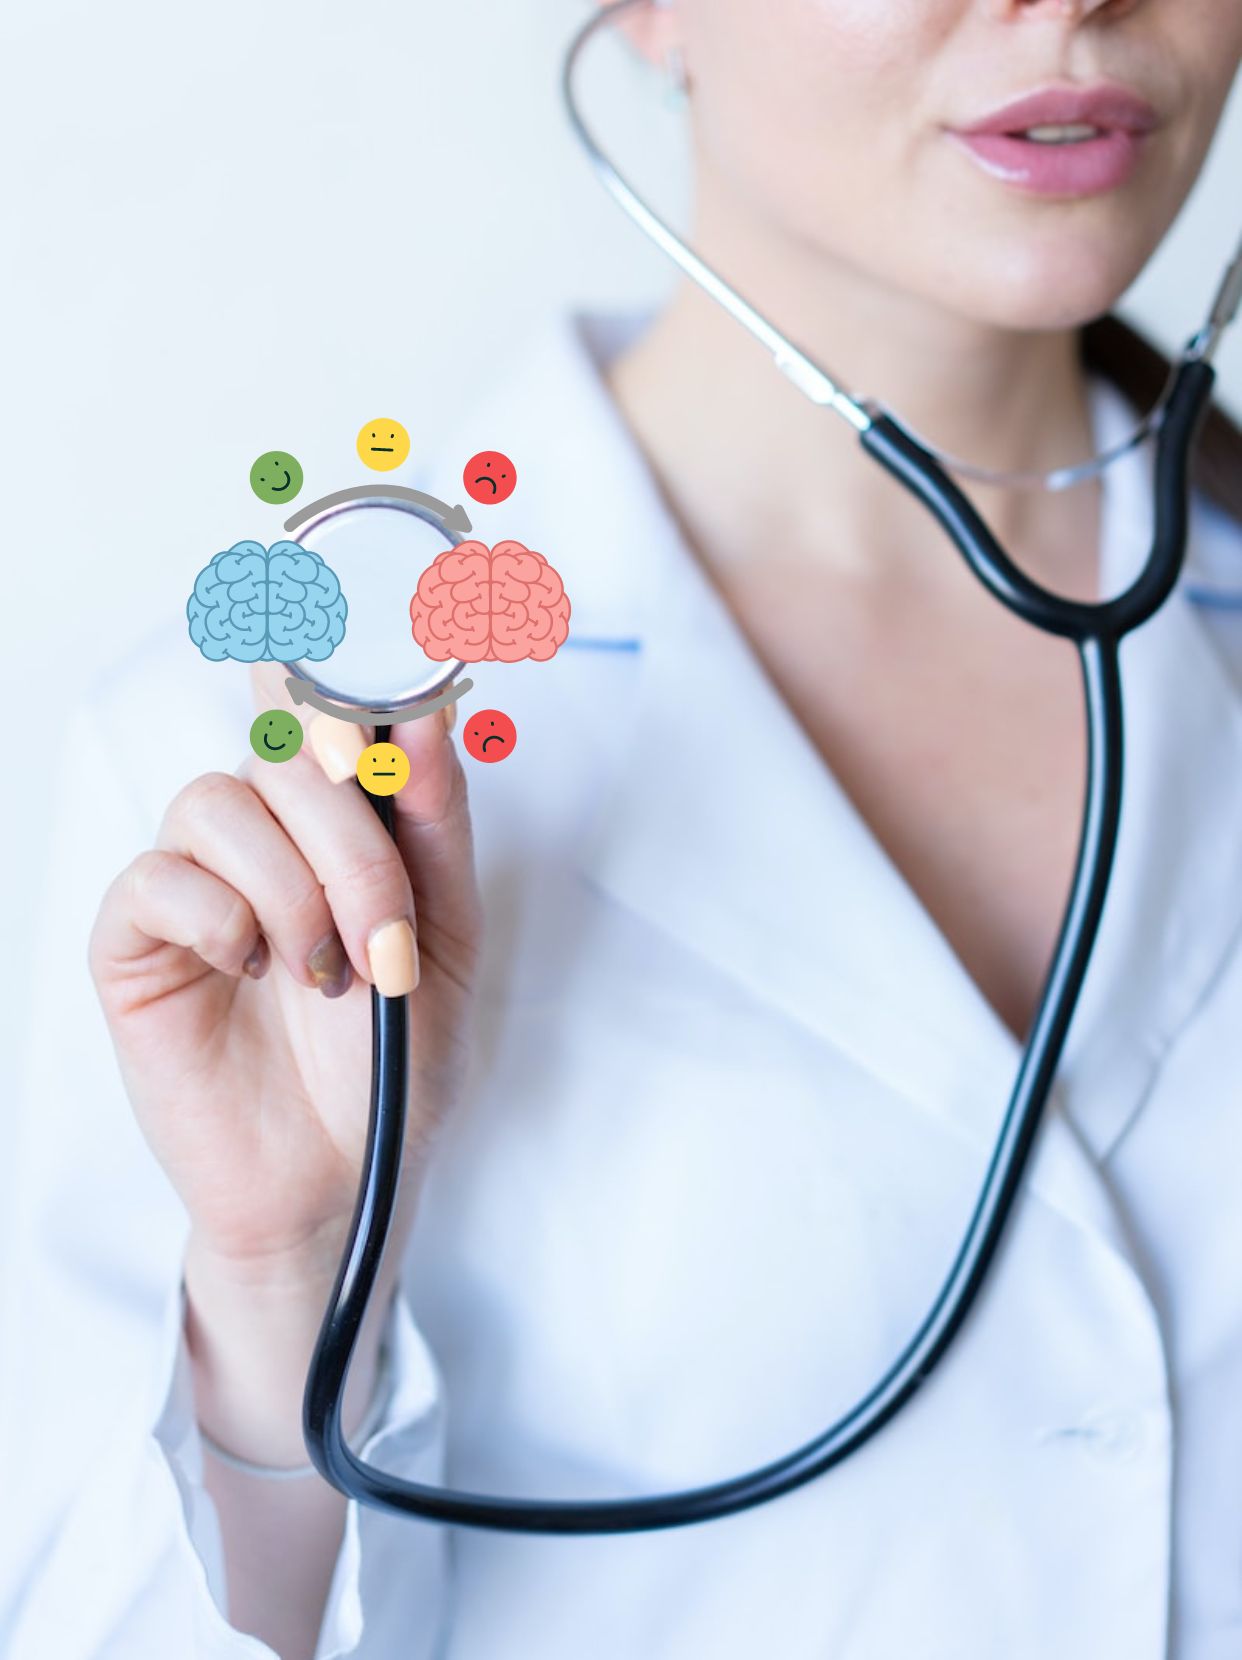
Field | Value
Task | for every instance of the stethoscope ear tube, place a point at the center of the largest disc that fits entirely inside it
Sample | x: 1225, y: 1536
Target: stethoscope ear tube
x: 923, y: 475
x: 1180, y: 425
x: 897, y: 450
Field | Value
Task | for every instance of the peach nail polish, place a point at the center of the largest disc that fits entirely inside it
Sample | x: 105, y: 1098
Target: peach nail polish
x: 337, y: 745
x: 393, y: 958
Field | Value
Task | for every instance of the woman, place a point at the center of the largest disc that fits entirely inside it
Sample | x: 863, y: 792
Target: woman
x: 719, y: 983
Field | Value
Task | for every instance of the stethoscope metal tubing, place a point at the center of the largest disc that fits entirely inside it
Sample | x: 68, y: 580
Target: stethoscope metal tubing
x: 815, y: 382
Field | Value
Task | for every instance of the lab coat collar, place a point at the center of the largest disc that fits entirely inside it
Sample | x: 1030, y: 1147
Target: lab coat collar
x: 722, y: 827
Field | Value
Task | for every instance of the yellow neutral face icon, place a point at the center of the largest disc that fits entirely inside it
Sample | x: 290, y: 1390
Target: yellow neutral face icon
x: 383, y: 769
x: 383, y: 445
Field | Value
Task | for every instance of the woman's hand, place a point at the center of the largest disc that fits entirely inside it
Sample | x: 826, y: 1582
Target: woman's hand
x: 233, y: 963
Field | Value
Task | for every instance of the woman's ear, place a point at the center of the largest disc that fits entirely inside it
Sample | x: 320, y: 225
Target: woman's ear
x: 651, y: 27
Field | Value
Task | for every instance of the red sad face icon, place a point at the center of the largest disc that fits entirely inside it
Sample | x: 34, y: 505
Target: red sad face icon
x: 489, y: 477
x: 489, y: 735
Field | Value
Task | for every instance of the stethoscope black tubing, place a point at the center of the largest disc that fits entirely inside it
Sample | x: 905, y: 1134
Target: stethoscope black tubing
x: 922, y: 475
x: 1097, y: 630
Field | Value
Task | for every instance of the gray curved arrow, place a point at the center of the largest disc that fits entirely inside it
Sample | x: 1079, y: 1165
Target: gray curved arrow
x: 453, y: 518
x: 300, y: 692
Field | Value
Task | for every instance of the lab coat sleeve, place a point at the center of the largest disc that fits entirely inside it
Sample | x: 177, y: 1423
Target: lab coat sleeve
x: 136, y: 1566
x: 109, y: 1542
x: 387, y: 1592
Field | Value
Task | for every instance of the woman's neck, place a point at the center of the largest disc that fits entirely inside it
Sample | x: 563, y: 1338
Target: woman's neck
x: 749, y: 463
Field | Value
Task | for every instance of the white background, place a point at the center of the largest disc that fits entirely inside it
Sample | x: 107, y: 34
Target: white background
x: 235, y: 226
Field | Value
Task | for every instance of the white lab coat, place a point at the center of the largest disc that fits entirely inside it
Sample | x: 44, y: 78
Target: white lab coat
x: 730, y: 1100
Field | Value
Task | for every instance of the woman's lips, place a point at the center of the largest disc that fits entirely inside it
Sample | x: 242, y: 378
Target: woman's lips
x: 1063, y: 158
x: 1088, y: 167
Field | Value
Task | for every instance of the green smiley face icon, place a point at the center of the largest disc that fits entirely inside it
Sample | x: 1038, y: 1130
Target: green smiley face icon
x: 276, y: 476
x: 276, y: 735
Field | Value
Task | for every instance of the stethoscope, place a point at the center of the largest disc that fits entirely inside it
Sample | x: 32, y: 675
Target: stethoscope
x: 1097, y: 630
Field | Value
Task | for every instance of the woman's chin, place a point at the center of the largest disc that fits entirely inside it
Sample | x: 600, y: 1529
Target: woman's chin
x: 1044, y: 288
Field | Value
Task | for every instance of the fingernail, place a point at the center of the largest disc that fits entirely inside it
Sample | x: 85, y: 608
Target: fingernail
x: 259, y: 961
x: 337, y: 745
x: 450, y: 717
x: 329, y: 966
x: 393, y: 957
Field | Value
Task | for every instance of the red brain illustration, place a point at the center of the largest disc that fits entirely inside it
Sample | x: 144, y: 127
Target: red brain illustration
x: 497, y: 605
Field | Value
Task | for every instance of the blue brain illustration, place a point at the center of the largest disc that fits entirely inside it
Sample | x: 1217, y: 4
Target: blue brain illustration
x: 278, y: 604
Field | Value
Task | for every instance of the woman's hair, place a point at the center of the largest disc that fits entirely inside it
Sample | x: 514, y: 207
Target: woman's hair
x: 1139, y: 371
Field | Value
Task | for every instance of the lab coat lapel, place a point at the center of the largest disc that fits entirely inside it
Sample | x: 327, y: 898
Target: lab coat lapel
x: 727, y: 832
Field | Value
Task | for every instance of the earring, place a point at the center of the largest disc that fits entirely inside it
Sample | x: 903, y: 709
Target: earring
x: 677, y: 82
